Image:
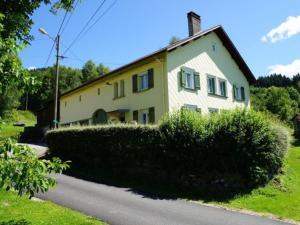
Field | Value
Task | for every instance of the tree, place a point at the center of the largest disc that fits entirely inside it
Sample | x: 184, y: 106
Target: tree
x: 89, y: 71
x: 102, y: 69
x: 15, y: 25
x: 69, y: 79
x: 21, y: 170
x: 174, y: 40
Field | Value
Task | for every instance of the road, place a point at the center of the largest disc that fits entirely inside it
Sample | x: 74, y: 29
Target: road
x: 120, y: 206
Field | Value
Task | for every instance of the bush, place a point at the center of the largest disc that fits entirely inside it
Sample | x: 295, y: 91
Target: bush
x: 111, y: 147
x: 235, y: 148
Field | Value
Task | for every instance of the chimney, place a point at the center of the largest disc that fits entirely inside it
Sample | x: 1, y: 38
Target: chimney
x: 194, y: 21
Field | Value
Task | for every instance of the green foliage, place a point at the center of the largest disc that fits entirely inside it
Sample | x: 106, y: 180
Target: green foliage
x: 91, y: 71
x: 240, y: 143
x: 240, y: 147
x: 174, y: 40
x: 21, y: 170
x: 282, y: 102
x: 105, y: 146
x: 15, y: 25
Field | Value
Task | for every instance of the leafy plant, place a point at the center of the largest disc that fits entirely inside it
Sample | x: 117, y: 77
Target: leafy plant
x: 23, y: 171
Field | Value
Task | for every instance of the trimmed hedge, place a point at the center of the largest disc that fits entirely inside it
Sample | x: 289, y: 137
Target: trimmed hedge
x: 239, y: 148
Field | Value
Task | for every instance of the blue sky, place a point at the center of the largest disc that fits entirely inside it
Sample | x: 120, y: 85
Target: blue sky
x: 267, y: 33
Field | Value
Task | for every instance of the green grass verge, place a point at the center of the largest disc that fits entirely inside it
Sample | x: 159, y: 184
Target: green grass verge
x: 281, y: 197
x: 8, y: 130
x: 13, y: 207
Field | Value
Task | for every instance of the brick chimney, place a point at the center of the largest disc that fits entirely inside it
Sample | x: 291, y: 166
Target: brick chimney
x: 194, y: 22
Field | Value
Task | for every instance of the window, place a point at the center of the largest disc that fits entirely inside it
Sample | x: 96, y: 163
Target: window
x: 211, y: 88
x: 223, y: 88
x: 80, y: 98
x: 98, y: 91
x: 239, y: 93
x: 190, y: 79
x: 65, y: 104
x: 116, y: 91
x: 143, y: 81
x: 213, y: 110
x: 122, y: 88
x: 214, y: 47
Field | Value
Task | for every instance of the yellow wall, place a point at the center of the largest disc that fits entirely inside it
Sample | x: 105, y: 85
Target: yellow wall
x: 198, y: 55
x: 76, y: 110
x: 167, y: 95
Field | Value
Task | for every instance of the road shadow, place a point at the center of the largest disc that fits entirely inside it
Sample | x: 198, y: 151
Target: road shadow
x: 151, y: 187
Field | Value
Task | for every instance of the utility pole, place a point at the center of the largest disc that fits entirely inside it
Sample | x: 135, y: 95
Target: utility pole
x: 55, y: 120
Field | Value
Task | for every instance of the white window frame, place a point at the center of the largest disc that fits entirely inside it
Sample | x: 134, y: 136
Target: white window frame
x: 190, y: 83
x: 220, y: 87
x: 209, y: 91
x: 143, y: 81
x: 238, y: 92
x: 122, y: 88
x: 142, y: 113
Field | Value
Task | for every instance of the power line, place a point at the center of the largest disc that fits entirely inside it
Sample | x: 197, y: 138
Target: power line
x: 100, y: 17
x: 50, y: 53
x: 69, y: 17
x: 85, y: 26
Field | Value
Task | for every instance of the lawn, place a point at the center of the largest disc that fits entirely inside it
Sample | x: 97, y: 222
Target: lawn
x: 281, y: 197
x: 13, y: 207
x: 8, y: 130
x: 15, y: 210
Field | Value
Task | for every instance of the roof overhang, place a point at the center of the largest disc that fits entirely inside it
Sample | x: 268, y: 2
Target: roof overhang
x: 157, y: 54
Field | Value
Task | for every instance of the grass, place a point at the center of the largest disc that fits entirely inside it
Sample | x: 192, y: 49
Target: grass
x: 13, y: 207
x: 15, y: 210
x: 281, y: 197
x: 9, y: 130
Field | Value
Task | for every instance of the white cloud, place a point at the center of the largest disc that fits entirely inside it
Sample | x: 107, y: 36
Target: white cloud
x: 285, y: 30
x: 31, y: 67
x: 288, y: 69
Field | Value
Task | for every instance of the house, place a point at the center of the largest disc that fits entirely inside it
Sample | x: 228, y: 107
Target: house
x: 203, y: 72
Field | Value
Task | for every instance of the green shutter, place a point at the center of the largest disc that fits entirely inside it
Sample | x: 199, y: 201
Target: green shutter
x: 151, y: 78
x: 182, y: 78
x: 152, y: 115
x: 234, y: 91
x: 136, y: 115
x: 197, y: 80
x: 134, y: 83
x: 243, y: 93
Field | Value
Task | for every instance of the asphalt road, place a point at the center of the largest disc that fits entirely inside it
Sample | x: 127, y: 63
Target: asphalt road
x: 120, y: 206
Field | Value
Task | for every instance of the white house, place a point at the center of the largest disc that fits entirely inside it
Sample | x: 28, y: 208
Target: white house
x: 203, y: 72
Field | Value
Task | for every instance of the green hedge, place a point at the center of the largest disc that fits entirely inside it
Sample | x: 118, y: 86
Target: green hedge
x: 116, y: 146
x: 234, y: 148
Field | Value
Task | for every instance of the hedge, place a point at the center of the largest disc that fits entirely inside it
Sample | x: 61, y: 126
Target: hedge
x: 241, y: 148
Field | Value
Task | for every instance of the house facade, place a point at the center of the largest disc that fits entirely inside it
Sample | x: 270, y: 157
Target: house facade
x: 203, y: 72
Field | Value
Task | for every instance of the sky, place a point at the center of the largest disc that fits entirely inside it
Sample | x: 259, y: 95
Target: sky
x: 266, y: 32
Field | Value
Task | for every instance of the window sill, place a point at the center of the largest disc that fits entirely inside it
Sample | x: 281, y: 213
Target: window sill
x: 216, y: 95
x: 140, y: 91
x: 239, y: 100
x: 119, y: 97
x: 191, y: 89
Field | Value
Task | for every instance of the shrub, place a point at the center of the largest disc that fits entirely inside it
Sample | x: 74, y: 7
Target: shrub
x: 236, y: 148
x: 112, y: 146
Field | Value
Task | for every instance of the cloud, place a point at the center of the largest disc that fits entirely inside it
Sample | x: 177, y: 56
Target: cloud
x: 285, y: 30
x: 31, y: 67
x: 289, y: 69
